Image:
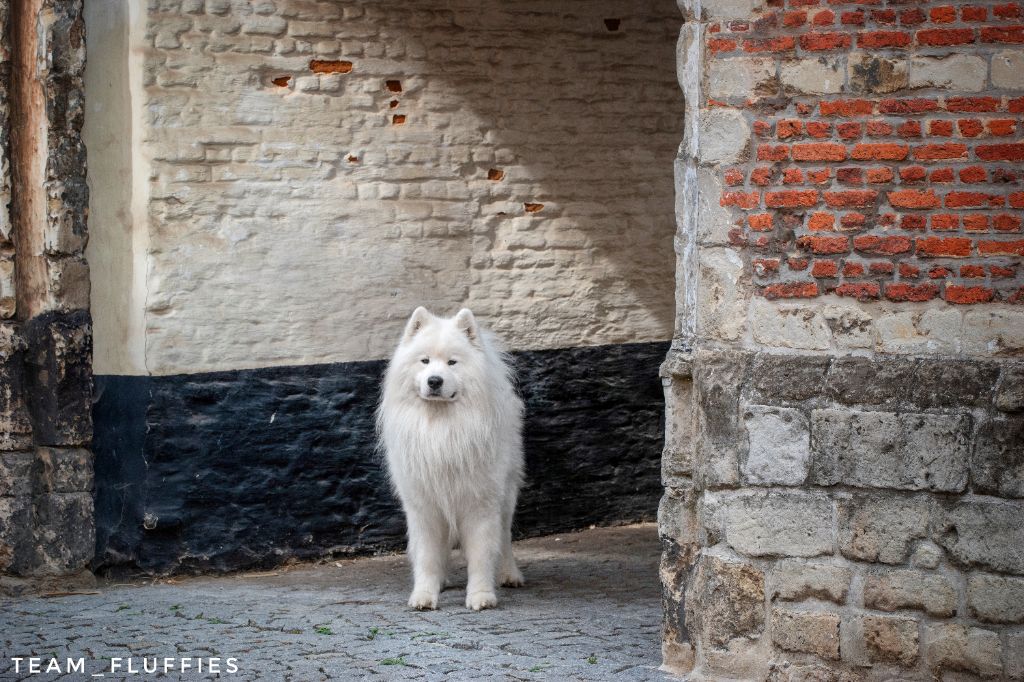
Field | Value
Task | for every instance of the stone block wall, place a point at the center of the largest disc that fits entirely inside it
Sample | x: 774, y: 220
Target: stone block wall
x: 46, y: 472
x: 856, y: 515
x: 844, y: 443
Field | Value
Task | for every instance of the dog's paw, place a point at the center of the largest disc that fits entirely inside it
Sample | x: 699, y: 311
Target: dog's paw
x: 513, y: 578
x: 423, y: 600
x: 481, y: 600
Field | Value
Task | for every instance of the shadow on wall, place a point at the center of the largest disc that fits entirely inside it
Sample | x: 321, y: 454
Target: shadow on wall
x: 566, y: 117
x: 584, y: 139
x: 515, y: 157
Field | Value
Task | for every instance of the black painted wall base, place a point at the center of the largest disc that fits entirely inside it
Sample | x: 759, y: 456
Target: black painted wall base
x: 245, y: 469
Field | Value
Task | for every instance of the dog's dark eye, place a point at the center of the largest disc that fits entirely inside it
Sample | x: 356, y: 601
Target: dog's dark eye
x: 425, y: 361
x: 451, y: 362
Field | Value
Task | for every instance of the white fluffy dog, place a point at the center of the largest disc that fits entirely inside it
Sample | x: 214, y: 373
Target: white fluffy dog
x: 450, y: 423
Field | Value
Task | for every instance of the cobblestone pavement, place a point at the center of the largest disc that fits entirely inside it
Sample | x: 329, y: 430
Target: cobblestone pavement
x: 590, y: 611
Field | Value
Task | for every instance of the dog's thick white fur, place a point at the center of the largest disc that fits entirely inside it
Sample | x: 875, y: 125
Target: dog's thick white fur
x: 450, y: 423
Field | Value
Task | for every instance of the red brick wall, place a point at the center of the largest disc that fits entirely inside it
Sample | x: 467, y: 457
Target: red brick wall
x: 903, y: 180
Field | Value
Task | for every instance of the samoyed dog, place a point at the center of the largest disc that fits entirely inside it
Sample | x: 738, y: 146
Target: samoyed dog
x: 450, y: 424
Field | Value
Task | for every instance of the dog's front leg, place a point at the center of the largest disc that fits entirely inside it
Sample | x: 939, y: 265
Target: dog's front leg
x: 481, y: 542
x: 428, y: 551
x: 509, y: 574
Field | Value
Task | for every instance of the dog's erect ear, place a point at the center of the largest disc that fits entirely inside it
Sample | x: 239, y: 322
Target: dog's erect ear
x: 419, y: 317
x: 465, y: 322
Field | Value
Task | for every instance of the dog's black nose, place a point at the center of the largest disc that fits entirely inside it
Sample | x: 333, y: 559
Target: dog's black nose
x: 434, y: 382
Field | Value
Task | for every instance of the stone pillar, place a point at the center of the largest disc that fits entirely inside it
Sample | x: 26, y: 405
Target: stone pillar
x: 843, y: 466
x: 46, y: 507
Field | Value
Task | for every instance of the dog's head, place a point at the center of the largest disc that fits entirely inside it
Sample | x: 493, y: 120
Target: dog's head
x: 437, y: 356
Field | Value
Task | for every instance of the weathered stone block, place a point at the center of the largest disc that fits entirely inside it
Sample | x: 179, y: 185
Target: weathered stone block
x: 15, y: 534
x: 718, y: 377
x: 1009, y: 395
x: 787, y: 326
x: 991, y: 330
x: 985, y: 534
x: 15, y: 427
x: 997, y: 464
x: 817, y: 76
x: 724, y: 282
x: 725, y: 600
x: 64, y: 532
x: 677, y: 517
x: 996, y: 598
x: 57, y: 470
x: 733, y: 9
x: 935, y: 330
x: 890, y: 450
x: 891, y: 639
x: 869, y: 381
x: 924, y: 383
x: 851, y: 327
x: 960, y: 72
x: 1008, y: 69
x: 785, y: 379
x: 881, y: 527
x: 58, y: 379
x: 794, y: 580
x: 787, y: 524
x: 68, y: 283
x: 15, y: 473
x: 870, y: 73
x: 714, y: 224
x: 65, y: 236
x: 680, y: 436
x: 741, y: 77
x: 674, y: 571
x: 894, y: 590
x: 724, y: 136
x: 807, y: 632
x: 778, y: 445
x: 952, y: 646
x: 943, y: 382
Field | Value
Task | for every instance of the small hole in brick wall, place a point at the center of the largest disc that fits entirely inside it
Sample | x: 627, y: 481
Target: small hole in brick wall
x: 393, y: 86
x: 612, y: 24
x: 282, y: 81
x: 393, y: 104
x: 502, y: 213
x: 495, y: 174
x: 398, y: 119
x: 353, y: 159
x: 330, y: 66
x: 532, y: 208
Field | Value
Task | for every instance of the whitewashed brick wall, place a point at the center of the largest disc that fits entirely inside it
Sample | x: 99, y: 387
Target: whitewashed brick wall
x: 318, y: 169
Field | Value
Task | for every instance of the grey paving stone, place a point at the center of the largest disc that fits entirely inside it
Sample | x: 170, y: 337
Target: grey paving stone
x: 591, y: 610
